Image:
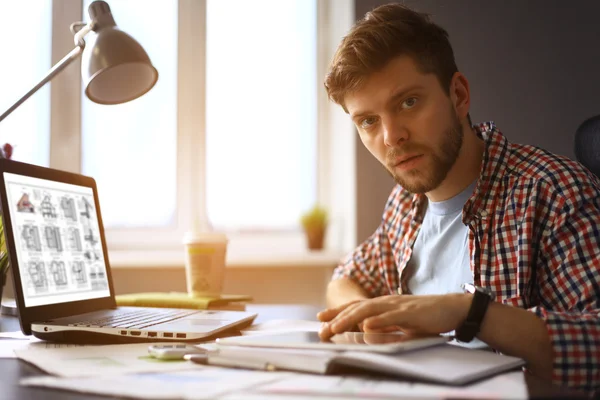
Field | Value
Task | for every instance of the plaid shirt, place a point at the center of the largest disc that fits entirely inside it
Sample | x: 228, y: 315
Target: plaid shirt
x: 534, y: 239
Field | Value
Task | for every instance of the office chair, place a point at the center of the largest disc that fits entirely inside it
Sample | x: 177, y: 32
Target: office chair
x: 587, y: 144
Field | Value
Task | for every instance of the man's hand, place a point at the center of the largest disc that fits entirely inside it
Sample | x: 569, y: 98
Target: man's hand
x: 326, y: 315
x: 507, y: 329
x: 330, y: 313
x: 411, y: 314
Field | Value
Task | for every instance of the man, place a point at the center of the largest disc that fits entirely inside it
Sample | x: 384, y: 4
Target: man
x: 517, y: 222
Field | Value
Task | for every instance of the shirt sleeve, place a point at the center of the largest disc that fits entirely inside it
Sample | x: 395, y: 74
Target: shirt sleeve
x: 372, y: 260
x: 570, y: 291
x: 362, y: 265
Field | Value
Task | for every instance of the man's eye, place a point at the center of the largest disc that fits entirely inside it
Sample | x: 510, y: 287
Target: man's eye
x: 367, y: 122
x: 409, y: 103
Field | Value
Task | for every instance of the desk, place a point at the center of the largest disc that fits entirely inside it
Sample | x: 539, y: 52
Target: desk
x: 13, y: 369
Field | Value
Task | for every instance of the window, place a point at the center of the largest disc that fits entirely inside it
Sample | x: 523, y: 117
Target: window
x: 260, y: 120
x: 232, y: 135
x: 25, y: 40
x: 261, y: 126
x: 131, y: 149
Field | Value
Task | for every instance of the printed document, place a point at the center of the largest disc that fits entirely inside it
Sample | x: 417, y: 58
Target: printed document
x: 234, y: 384
x: 205, y: 383
x: 508, y: 386
x: 10, y: 342
x: 97, y: 360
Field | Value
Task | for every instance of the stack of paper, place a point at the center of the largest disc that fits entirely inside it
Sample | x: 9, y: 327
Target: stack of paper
x: 128, y: 371
x: 207, y: 383
x: 231, y: 384
x: 445, y: 364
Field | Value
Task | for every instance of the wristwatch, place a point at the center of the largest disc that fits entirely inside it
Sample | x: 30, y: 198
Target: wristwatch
x: 481, y: 299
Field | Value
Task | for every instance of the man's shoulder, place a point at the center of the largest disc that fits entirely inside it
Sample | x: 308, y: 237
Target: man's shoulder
x: 525, y: 163
x: 530, y: 164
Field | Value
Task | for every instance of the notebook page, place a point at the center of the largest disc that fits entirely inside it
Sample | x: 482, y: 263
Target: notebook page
x: 283, y: 325
x: 315, y: 361
x: 445, y: 363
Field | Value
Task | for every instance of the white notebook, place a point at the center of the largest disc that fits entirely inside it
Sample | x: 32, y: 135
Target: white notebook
x: 445, y: 363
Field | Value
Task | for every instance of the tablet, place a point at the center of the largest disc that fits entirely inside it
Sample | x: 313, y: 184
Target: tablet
x: 348, y: 341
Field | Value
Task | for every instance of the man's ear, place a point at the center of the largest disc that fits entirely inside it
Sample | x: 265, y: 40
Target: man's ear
x: 460, y: 95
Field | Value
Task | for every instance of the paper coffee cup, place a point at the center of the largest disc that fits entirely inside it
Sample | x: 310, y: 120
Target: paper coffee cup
x: 205, y: 255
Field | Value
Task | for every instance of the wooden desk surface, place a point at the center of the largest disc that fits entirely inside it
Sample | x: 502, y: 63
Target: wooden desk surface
x: 14, y: 369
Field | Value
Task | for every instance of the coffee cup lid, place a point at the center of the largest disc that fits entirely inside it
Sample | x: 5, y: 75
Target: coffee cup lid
x: 210, y: 237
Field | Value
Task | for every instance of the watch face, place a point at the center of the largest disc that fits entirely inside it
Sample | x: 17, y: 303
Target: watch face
x: 470, y: 288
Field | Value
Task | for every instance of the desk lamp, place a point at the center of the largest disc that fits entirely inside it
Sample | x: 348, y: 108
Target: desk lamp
x: 114, y: 67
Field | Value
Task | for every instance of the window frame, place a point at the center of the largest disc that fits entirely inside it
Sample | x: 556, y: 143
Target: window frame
x: 334, y: 18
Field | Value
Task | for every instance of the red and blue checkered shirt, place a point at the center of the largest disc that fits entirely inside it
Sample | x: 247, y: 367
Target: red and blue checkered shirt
x: 534, y: 239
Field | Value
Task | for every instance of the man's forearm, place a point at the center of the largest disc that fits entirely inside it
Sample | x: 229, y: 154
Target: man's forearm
x: 517, y: 332
x: 342, y: 291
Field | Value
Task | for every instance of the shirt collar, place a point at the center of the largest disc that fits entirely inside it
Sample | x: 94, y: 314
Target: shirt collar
x: 493, y: 169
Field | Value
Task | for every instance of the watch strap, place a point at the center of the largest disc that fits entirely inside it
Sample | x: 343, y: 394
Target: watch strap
x: 472, y: 324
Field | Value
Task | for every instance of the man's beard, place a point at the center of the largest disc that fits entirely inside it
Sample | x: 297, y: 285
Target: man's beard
x: 427, y: 180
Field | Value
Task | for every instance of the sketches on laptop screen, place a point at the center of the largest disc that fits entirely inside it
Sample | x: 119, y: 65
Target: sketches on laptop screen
x: 57, y: 240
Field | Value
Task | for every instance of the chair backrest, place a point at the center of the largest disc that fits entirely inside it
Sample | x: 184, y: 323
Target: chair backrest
x: 587, y: 144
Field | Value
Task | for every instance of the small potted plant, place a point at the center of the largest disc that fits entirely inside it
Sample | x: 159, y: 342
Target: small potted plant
x: 314, y: 223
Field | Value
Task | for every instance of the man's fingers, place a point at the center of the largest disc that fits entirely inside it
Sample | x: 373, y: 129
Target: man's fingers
x: 330, y: 313
x: 325, y: 332
x: 327, y: 315
x: 385, y: 320
x: 343, y: 316
x: 356, y: 314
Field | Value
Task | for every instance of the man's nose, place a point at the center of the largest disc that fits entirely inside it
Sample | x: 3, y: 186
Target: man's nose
x: 394, y: 133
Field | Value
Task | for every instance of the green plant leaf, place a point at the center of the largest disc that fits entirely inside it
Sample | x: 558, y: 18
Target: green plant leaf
x: 315, y: 217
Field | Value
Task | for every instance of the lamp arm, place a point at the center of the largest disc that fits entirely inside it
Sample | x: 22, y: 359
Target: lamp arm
x: 79, y: 30
x: 57, y: 68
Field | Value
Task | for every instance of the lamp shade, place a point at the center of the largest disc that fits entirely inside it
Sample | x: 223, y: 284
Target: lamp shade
x: 114, y: 66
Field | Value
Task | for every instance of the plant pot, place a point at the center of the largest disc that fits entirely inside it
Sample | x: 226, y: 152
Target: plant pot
x: 315, y: 237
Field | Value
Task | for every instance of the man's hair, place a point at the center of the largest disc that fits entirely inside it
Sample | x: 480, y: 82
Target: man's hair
x: 383, y: 34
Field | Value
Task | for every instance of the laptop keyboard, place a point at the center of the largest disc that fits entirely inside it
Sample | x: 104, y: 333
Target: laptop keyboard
x: 137, y: 319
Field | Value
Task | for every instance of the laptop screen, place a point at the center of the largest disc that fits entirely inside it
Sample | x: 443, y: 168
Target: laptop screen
x: 57, y: 241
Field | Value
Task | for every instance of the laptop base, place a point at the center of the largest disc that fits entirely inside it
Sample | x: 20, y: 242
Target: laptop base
x: 87, y: 337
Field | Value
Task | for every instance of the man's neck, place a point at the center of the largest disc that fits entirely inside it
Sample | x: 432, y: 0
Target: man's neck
x: 464, y: 171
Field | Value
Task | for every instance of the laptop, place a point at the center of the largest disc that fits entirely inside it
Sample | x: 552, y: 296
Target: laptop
x: 61, y: 273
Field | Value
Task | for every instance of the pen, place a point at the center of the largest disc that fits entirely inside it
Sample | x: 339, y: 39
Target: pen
x: 229, y: 363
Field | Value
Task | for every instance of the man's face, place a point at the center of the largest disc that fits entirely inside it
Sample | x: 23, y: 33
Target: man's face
x: 407, y: 121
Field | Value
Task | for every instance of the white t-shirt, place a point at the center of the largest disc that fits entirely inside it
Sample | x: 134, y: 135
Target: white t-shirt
x: 440, y: 258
